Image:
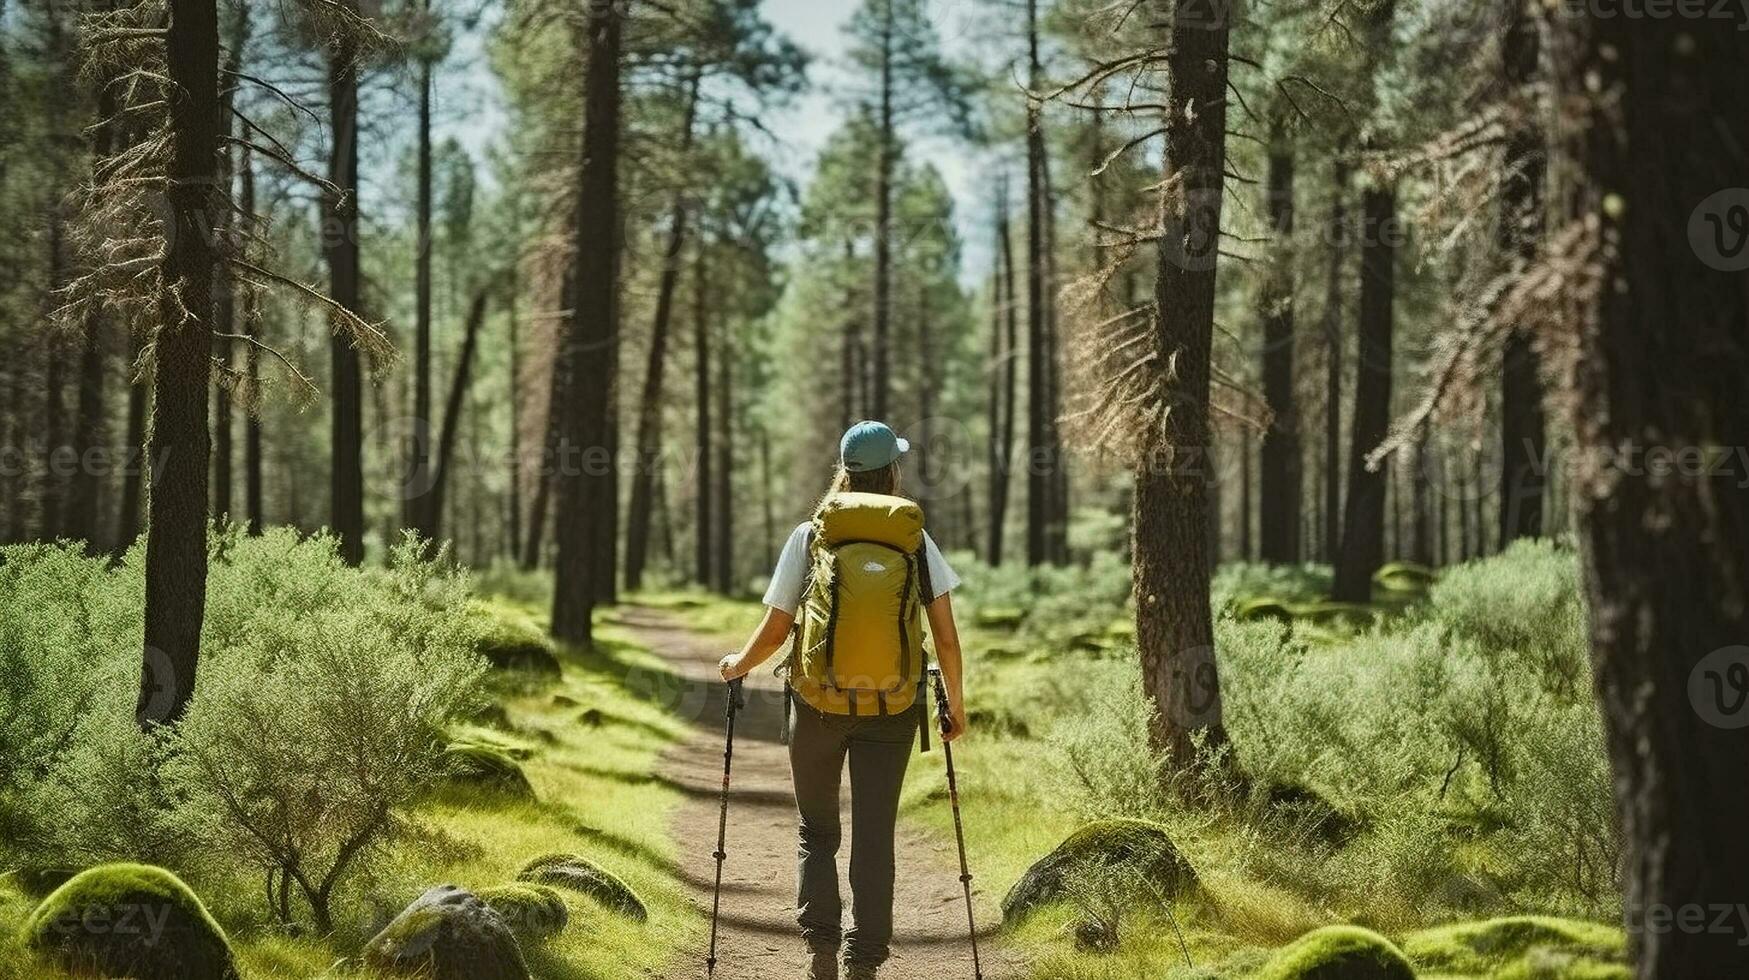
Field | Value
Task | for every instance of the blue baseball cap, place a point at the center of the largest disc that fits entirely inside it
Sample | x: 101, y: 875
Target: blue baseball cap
x: 870, y: 445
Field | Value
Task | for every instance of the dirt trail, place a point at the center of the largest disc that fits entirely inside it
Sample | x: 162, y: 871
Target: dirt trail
x: 758, y: 938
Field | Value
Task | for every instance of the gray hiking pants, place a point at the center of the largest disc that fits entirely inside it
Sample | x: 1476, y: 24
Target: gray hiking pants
x: 879, y: 749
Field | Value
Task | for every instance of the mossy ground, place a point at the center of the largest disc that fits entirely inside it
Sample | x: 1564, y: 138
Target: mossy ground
x: 589, y: 779
x: 1235, y: 923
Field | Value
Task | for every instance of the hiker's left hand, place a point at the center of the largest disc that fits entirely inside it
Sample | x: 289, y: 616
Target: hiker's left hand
x: 731, y: 666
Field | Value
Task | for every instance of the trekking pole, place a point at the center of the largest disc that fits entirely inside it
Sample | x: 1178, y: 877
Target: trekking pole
x: 944, y: 718
x: 737, y: 701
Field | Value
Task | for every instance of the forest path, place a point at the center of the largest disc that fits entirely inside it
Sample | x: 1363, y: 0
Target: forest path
x: 758, y: 937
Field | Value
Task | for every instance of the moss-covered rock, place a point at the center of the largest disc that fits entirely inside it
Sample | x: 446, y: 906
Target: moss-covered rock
x: 447, y: 934
x: 1262, y: 607
x: 39, y: 880
x: 1338, y: 953
x: 487, y: 767
x: 1000, y: 617
x: 533, y: 911
x: 512, y: 641
x: 579, y: 874
x: 1101, y: 843
x: 1404, y: 576
x: 130, y: 920
x: 1309, y: 809
x: 1521, y: 946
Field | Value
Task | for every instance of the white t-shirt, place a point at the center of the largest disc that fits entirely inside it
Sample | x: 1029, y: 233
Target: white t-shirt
x: 791, y: 574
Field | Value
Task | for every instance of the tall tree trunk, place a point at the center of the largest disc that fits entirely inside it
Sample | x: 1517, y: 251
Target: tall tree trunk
x: 1004, y: 377
x: 769, y: 559
x: 723, y: 567
x: 139, y: 459
x: 1658, y: 357
x: 514, y: 328
x: 88, y: 428
x: 1278, y: 484
x: 1247, y: 544
x: 1363, y: 519
x: 419, y: 509
x: 340, y: 246
x: 649, y: 434
x: 452, y: 411
x: 592, y: 331
x: 701, y: 396
x: 1057, y: 473
x: 58, y: 468
x: 998, y: 463
x: 176, y: 547
x: 557, y: 388
x: 1038, y: 477
x: 225, y: 294
x: 1174, y: 625
x: 1421, y: 549
x: 883, y: 244
x: 1333, y: 359
x: 1523, y: 476
x: 252, y: 365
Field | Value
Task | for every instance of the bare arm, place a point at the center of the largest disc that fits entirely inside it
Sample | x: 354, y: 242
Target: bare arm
x: 765, y: 641
x: 947, y: 653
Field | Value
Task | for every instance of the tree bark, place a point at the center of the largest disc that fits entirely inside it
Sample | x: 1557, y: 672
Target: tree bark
x: 1005, y: 372
x: 419, y: 510
x: 452, y: 411
x: 1363, y: 519
x: 511, y: 295
x: 591, y: 332
x: 1523, y: 475
x: 1174, y: 625
x: 701, y: 346
x: 340, y: 247
x: 557, y: 387
x: 176, y: 545
x: 1038, y: 478
x: 723, y: 568
x: 1057, y: 474
x: 1333, y: 359
x: 884, y: 166
x: 1278, y: 484
x: 1658, y: 360
x: 649, y: 433
x: 225, y: 296
x: 138, y: 462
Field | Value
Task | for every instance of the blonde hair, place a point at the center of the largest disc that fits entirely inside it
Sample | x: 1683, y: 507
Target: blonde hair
x: 884, y: 480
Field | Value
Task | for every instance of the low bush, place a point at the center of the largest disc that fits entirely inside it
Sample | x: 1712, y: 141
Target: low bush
x: 320, y: 707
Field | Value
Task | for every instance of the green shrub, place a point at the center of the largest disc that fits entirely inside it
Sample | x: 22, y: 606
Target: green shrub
x: 1339, y: 953
x: 1106, y: 765
x: 130, y: 920
x: 300, y: 744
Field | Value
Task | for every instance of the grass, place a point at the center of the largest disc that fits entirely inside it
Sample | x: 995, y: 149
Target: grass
x: 1036, y: 665
x: 594, y: 797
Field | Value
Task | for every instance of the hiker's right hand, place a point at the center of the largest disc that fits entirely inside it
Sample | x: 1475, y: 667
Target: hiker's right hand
x: 956, y: 716
x: 731, y: 666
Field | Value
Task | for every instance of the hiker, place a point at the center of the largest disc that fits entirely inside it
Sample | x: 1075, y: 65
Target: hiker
x: 849, y: 585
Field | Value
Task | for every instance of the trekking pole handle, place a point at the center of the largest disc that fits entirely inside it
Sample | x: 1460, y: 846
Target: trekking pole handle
x: 943, y: 713
x: 737, y: 695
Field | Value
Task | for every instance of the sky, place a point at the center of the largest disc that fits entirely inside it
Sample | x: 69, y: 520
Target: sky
x: 469, y: 106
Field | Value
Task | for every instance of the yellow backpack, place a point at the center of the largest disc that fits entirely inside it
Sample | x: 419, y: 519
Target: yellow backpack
x: 859, y: 632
